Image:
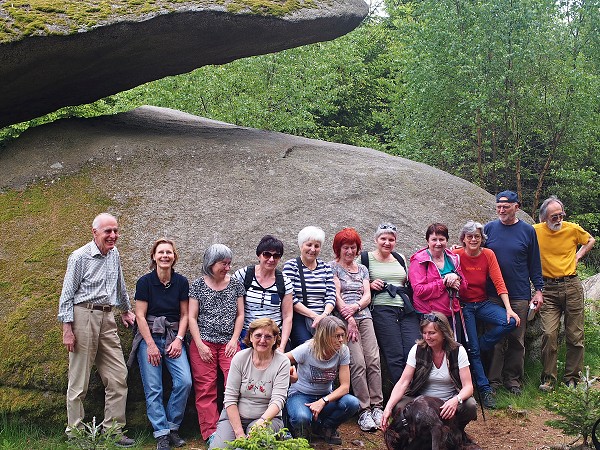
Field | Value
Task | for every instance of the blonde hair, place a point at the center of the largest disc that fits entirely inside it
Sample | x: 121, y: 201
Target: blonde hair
x: 322, y: 343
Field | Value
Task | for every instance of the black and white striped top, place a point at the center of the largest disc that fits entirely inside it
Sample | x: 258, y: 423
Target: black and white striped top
x: 320, y: 289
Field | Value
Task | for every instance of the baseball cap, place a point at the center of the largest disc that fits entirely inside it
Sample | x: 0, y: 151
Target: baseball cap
x: 508, y: 197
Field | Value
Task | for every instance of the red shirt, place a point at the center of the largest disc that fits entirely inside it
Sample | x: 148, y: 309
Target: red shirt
x: 477, y: 270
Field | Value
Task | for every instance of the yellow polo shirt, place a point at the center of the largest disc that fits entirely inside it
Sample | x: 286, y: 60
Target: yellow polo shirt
x: 558, y: 248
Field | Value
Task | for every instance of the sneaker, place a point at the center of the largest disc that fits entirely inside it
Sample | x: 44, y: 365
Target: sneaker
x: 571, y: 384
x: 175, y: 439
x: 125, y: 442
x: 162, y: 443
x: 515, y: 390
x: 209, y: 440
x: 332, y: 436
x: 488, y: 400
x: 377, y: 414
x: 546, y: 386
x: 366, y: 422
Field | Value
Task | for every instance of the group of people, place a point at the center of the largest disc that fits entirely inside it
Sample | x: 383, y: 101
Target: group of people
x: 281, y: 338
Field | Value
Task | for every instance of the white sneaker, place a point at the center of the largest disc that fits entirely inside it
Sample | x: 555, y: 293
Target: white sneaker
x: 377, y: 415
x: 366, y: 422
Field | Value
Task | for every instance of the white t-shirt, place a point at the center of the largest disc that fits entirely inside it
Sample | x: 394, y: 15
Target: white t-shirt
x: 440, y: 384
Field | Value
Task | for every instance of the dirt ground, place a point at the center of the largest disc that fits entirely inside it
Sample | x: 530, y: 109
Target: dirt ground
x: 502, y: 430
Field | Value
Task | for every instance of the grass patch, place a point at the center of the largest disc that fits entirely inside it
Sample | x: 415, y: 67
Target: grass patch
x: 21, y: 18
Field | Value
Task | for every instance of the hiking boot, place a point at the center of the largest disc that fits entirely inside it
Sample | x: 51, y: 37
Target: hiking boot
x: 515, y: 390
x: 488, y: 400
x: 162, y: 443
x: 175, y: 439
x: 125, y: 442
x: 546, y: 386
x: 377, y: 414
x: 332, y: 436
x: 366, y: 422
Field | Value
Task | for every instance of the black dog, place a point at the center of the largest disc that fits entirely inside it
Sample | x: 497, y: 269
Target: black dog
x: 419, y: 427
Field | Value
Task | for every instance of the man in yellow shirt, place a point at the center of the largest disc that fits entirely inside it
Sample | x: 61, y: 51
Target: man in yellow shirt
x: 562, y: 244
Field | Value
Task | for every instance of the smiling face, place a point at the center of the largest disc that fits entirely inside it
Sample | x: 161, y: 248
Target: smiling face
x: 221, y: 268
x: 436, y: 243
x: 472, y: 241
x: 164, y: 256
x: 386, y: 243
x: 309, y: 251
x: 269, y: 259
x: 106, y: 234
x: 507, y: 212
x: 348, y: 253
x: 433, y: 337
x: 262, y: 340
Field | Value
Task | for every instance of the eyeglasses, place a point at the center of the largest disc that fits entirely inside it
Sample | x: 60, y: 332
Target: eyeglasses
x: 266, y: 337
x: 384, y: 226
x: 269, y: 255
x: 431, y: 317
x: 504, y: 207
x: 555, y: 217
x: 470, y: 237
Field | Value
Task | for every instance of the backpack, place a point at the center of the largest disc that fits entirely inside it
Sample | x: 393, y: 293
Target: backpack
x: 279, y: 281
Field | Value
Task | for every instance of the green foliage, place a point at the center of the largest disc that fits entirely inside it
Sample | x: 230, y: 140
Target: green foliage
x: 579, y: 408
x: 263, y: 438
x: 92, y: 436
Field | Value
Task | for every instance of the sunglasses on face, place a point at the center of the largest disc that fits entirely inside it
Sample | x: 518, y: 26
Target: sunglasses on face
x: 387, y: 227
x: 269, y: 255
x: 555, y: 217
x: 471, y: 237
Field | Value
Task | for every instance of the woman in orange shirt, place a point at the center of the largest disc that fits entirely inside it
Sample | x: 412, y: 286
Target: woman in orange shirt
x: 478, y: 264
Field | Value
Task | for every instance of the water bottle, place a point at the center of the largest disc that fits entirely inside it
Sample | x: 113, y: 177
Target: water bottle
x: 532, y: 311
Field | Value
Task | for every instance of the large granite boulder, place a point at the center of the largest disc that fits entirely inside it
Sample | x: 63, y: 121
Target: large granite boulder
x: 41, y: 74
x: 591, y: 287
x: 163, y: 172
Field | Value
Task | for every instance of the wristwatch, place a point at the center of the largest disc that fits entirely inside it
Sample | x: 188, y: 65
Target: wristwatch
x: 325, y: 399
x: 460, y: 400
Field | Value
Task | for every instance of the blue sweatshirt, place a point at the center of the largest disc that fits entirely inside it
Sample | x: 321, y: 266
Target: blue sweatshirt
x: 516, y: 248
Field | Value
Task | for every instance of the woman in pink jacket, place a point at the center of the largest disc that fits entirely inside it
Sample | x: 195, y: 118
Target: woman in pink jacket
x: 436, y: 277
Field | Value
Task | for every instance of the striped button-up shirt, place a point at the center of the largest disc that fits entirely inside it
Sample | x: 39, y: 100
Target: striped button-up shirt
x: 94, y: 278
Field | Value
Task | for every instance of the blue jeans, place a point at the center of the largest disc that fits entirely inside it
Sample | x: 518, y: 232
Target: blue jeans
x: 164, y: 420
x: 336, y: 412
x: 489, y: 313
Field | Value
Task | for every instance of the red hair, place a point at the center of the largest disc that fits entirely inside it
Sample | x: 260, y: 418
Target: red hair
x: 347, y: 236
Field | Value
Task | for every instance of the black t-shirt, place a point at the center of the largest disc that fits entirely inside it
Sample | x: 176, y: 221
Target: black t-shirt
x: 162, y: 300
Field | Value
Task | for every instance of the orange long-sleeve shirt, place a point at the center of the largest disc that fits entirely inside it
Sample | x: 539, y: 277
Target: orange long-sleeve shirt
x: 477, y: 270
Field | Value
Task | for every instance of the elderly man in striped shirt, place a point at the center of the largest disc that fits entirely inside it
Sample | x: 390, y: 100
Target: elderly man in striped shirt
x: 92, y: 288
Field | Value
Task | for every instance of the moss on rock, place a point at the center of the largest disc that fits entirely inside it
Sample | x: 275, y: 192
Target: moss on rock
x: 21, y: 18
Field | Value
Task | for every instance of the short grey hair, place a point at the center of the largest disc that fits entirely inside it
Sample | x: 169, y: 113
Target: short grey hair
x: 100, y: 217
x: 544, y: 207
x: 214, y: 254
x: 311, y: 233
x: 386, y: 228
x: 469, y: 228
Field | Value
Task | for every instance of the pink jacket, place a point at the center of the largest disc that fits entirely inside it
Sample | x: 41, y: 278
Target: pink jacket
x: 430, y: 293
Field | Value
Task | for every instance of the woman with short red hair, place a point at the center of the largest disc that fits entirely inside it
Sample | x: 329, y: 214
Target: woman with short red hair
x: 353, y: 297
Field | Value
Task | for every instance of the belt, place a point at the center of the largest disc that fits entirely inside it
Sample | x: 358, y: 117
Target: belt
x: 559, y: 280
x: 104, y: 308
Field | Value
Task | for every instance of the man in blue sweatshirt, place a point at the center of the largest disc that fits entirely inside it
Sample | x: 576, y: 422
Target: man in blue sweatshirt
x: 516, y: 247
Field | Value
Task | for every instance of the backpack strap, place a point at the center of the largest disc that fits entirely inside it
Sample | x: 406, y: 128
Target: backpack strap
x: 280, y: 282
x: 302, y: 282
x: 249, y: 277
x: 400, y: 259
x: 364, y: 258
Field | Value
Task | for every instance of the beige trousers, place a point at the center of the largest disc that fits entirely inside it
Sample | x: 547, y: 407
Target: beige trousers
x: 96, y: 342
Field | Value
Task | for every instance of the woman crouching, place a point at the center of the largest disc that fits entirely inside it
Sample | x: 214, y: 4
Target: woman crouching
x: 437, y: 366
x: 257, y: 385
x: 313, y: 407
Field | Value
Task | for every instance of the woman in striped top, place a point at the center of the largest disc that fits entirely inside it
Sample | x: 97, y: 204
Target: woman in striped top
x: 314, y: 291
